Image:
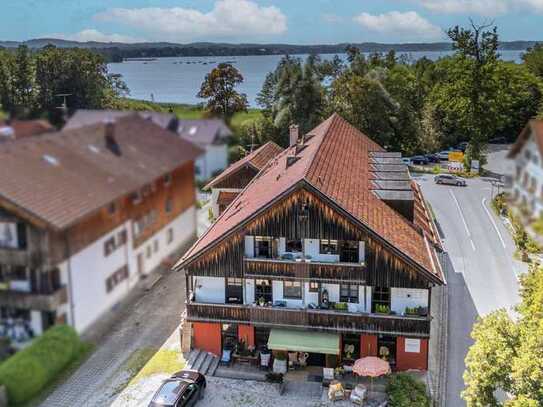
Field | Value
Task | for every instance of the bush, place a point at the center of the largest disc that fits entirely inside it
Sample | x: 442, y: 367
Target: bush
x: 405, y: 391
x: 499, y: 203
x: 27, y: 372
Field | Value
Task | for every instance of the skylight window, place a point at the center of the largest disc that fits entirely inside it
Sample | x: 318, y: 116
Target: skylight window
x: 50, y: 159
x: 193, y: 130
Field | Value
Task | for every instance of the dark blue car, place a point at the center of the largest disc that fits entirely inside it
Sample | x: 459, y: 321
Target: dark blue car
x: 183, y: 389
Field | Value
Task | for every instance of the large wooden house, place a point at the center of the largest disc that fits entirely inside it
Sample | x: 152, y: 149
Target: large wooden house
x: 329, y: 250
x: 84, y: 214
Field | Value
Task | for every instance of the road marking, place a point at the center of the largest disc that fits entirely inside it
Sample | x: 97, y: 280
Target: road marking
x: 463, y: 219
x: 493, y: 223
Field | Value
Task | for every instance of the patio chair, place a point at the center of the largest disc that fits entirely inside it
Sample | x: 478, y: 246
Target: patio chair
x: 358, y: 395
x: 226, y: 357
x: 292, y: 360
x: 327, y: 376
x: 336, y: 391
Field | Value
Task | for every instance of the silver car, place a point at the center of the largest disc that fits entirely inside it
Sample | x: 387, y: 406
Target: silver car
x: 449, y: 179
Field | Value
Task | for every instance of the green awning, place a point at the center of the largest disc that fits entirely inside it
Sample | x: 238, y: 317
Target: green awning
x: 304, y: 341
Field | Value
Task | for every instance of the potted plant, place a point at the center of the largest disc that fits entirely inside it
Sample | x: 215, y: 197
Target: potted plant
x: 382, y: 309
x: 261, y: 301
x: 280, y: 362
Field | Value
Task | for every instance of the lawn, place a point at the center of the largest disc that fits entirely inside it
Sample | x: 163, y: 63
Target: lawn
x: 184, y: 111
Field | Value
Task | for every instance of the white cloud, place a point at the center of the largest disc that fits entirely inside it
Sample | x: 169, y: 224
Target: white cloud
x: 228, y: 18
x: 90, y: 34
x: 487, y: 8
x: 402, y: 26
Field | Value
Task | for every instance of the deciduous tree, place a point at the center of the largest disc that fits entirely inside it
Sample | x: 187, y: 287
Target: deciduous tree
x: 219, y: 88
x: 506, y: 355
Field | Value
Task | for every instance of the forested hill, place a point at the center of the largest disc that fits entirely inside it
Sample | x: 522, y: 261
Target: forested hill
x: 120, y: 51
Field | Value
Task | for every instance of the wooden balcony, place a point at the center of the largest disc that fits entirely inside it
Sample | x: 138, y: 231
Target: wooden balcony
x: 309, y: 270
x: 322, y: 320
x: 34, y: 301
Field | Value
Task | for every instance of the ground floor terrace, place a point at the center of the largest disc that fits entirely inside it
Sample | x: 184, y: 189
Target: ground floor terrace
x: 293, y: 349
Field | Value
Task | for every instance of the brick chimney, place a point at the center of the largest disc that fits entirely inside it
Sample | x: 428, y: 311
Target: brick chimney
x: 109, y: 135
x: 294, y: 131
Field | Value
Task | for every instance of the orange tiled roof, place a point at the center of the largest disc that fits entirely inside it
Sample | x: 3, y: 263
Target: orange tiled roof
x: 257, y: 160
x: 62, y: 177
x: 335, y: 162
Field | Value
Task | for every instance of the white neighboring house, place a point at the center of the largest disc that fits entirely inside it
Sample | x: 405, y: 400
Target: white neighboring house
x: 527, y: 153
x: 86, y: 213
x: 210, y: 135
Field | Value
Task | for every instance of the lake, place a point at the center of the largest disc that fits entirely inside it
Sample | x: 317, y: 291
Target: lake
x: 177, y: 80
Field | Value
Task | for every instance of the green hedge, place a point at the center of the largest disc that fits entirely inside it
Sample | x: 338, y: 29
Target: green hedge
x: 405, y: 391
x: 27, y: 372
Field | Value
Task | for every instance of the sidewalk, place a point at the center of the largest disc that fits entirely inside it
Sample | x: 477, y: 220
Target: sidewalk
x: 125, y: 339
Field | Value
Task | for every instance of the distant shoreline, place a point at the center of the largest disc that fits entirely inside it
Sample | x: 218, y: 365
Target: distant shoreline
x: 117, y: 52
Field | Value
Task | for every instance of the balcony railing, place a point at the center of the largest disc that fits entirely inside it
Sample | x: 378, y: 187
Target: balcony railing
x: 305, y: 269
x: 323, y: 320
x: 34, y: 301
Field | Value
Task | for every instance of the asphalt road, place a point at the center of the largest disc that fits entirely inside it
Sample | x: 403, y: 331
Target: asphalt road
x: 481, y: 275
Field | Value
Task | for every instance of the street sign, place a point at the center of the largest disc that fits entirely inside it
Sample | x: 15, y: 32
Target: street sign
x: 475, y: 166
x: 456, y: 156
x: 455, y: 166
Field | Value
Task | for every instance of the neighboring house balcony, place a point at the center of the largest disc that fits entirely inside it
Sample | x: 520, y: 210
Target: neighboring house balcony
x: 316, y: 319
x: 17, y: 294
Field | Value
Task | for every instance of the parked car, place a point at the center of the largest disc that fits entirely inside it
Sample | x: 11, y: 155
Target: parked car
x: 182, y: 389
x: 419, y: 160
x: 406, y: 161
x: 449, y: 179
x: 432, y: 158
x: 443, y: 155
x: 463, y: 146
x: 498, y: 140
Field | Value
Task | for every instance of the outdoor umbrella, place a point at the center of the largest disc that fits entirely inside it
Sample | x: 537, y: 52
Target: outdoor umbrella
x: 371, y: 366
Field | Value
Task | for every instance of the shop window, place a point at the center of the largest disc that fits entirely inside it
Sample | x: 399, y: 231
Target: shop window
x: 381, y: 300
x: 229, y: 333
x: 349, y: 252
x: 348, y: 293
x: 293, y: 246
x: 292, y: 290
x: 386, y: 349
x: 263, y: 247
x: 234, y: 290
x: 313, y: 287
x: 328, y: 246
x: 261, y: 337
x: 351, y: 347
x: 263, y: 291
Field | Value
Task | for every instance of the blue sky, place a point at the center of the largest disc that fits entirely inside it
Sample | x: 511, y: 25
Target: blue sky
x: 287, y: 21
